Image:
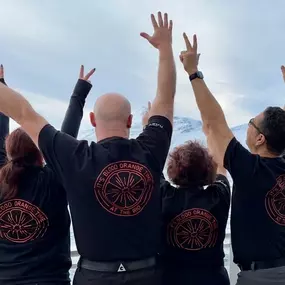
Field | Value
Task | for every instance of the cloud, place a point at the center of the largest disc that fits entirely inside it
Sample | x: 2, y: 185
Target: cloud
x: 45, y: 43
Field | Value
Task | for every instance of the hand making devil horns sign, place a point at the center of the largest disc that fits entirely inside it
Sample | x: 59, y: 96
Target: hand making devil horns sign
x: 87, y: 76
x: 190, y: 57
x: 162, y: 31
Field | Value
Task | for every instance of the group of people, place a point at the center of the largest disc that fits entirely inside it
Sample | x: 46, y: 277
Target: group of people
x: 132, y: 225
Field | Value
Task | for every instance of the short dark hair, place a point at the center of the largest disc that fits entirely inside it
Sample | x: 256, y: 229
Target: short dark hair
x: 273, y: 128
x: 191, y: 164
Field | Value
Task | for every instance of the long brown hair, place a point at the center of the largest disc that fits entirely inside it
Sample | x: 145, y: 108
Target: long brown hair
x: 21, y: 154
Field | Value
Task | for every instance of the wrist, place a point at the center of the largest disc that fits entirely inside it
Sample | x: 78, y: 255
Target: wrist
x: 165, y: 49
x: 191, y: 71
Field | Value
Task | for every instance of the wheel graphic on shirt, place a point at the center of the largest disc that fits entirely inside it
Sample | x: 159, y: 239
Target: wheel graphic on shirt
x: 275, y: 201
x: 21, y: 222
x: 193, y: 229
x: 124, y: 188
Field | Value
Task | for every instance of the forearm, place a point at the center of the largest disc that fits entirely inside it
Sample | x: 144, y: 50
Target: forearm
x: 166, y: 82
x: 74, y: 113
x: 209, y: 107
x: 4, y: 120
x: 13, y: 104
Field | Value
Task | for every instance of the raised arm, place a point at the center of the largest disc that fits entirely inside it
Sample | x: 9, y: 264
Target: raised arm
x: 219, y: 134
x: 166, y: 83
x: 15, y: 106
x: 283, y: 74
x: 74, y: 113
x: 4, y: 126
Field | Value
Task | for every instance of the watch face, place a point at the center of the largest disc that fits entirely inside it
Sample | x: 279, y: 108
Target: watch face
x: 200, y: 75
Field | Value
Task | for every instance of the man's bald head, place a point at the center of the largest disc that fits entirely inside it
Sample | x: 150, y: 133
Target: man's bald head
x: 112, y: 116
x: 112, y: 107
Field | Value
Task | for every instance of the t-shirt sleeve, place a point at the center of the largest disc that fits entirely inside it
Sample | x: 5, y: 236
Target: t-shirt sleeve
x: 63, y: 154
x: 156, y: 137
x: 240, y: 163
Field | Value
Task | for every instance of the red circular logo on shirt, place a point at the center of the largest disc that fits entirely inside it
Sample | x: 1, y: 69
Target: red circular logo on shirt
x: 124, y: 188
x: 21, y: 221
x: 193, y: 229
x: 275, y: 201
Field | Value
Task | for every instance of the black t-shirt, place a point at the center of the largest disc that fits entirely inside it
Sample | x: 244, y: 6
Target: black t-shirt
x: 258, y: 205
x: 194, y: 223
x: 113, y: 189
x: 34, y: 226
x: 34, y: 231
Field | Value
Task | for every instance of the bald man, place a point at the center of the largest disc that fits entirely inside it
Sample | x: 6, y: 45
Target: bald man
x: 112, y: 185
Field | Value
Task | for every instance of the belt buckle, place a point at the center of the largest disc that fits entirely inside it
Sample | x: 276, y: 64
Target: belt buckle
x: 121, y: 268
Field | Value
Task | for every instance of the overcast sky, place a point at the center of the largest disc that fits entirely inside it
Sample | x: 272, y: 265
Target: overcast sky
x: 242, y: 45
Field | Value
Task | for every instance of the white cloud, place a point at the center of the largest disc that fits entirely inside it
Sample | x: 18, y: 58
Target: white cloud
x: 237, y: 46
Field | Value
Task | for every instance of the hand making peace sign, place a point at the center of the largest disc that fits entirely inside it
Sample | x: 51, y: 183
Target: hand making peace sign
x: 190, y: 57
x: 162, y: 35
x: 87, y: 76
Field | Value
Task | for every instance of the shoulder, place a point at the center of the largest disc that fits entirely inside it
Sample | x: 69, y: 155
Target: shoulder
x: 221, y: 188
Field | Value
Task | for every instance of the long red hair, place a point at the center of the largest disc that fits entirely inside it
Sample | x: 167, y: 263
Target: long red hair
x: 21, y: 154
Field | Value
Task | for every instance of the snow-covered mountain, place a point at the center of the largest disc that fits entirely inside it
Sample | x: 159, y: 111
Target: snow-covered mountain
x: 184, y: 129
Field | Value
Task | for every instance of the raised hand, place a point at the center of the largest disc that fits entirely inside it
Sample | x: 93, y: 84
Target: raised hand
x: 1, y: 71
x: 190, y: 57
x: 162, y: 34
x: 87, y: 76
x: 145, y: 116
x: 283, y: 72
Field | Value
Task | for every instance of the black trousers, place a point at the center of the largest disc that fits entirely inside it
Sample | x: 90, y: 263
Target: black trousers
x: 197, y: 276
x: 147, y: 276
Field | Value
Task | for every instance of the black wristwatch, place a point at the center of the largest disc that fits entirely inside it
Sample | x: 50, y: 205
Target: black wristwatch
x: 195, y: 75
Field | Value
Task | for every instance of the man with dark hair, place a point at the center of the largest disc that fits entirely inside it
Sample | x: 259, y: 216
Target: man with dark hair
x: 258, y: 207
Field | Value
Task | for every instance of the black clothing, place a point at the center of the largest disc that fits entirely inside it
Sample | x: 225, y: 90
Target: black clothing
x: 34, y: 225
x: 258, y: 211
x: 113, y: 189
x: 194, y: 222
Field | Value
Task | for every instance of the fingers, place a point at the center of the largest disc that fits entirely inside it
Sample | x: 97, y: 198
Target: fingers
x: 170, y: 25
x: 181, y: 56
x: 153, y: 20
x: 282, y: 69
x: 165, y: 24
x: 146, y: 36
x: 195, y: 44
x: 160, y: 21
x: 81, y: 72
x: 187, y: 42
x: 1, y: 71
x: 148, y: 106
x: 89, y: 74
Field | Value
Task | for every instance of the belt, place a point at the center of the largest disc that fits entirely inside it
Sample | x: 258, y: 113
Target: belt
x: 123, y: 266
x: 256, y: 265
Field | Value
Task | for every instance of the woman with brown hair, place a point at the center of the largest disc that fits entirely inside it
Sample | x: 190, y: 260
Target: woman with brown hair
x: 195, y: 213
x: 34, y: 218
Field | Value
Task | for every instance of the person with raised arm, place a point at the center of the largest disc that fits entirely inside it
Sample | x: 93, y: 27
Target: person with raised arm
x: 112, y: 185
x: 257, y: 213
x: 195, y: 213
x: 34, y: 219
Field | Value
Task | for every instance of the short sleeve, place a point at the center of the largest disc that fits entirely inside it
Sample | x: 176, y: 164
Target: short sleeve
x: 156, y: 137
x: 240, y: 163
x: 63, y: 153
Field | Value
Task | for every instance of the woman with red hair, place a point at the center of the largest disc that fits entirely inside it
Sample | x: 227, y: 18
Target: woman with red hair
x: 195, y: 212
x: 34, y: 218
